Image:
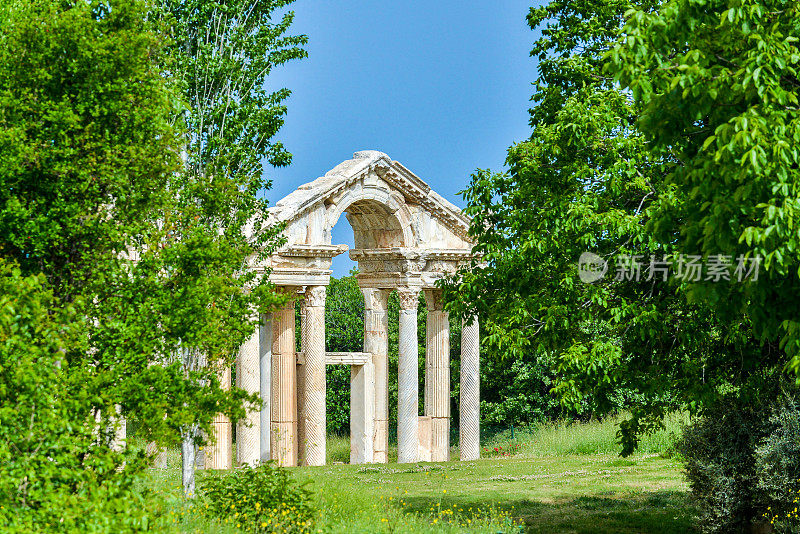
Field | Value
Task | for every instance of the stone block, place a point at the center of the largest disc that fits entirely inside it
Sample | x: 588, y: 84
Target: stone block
x: 362, y: 413
x: 424, y: 426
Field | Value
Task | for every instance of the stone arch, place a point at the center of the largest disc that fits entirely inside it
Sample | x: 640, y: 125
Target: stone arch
x: 407, y: 237
x: 379, y: 218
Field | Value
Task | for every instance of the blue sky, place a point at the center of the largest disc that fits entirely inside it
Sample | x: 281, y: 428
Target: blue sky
x: 443, y: 87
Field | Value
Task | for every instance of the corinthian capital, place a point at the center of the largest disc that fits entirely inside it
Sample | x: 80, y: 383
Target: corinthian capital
x: 409, y: 297
x: 433, y: 299
x: 315, y: 296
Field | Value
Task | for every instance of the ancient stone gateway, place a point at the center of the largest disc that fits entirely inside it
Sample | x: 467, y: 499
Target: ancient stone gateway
x: 406, y: 237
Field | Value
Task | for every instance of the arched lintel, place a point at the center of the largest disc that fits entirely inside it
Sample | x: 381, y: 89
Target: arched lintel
x: 392, y: 202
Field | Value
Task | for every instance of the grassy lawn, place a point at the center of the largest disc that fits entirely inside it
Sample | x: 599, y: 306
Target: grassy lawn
x: 587, y: 493
x: 592, y: 491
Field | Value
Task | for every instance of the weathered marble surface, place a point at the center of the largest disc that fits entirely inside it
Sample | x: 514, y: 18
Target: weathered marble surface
x: 219, y: 454
x: 405, y: 233
x: 283, y: 439
x: 313, y: 394
x: 407, y: 237
x: 437, y: 375
x: 408, y: 378
x: 469, y: 403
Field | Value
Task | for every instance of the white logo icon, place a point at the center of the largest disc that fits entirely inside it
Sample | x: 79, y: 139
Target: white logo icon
x: 591, y: 267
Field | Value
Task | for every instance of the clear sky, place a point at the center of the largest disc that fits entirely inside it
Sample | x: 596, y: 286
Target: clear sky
x: 441, y: 86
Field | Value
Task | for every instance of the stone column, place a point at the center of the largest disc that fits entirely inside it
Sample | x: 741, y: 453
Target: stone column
x: 265, y: 379
x: 376, y: 342
x: 437, y: 375
x: 300, y: 387
x: 247, y: 378
x: 283, y: 444
x: 313, y: 413
x: 408, y: 378
x: 219, y: 454
x: 362, y: 413
x: 469, y: 440
x: 156, y: 454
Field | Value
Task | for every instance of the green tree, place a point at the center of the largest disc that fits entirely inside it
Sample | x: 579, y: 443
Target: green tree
x: 222, y: 54
x: 86, y: 148
x: 137, y: 217
x: 584, y: 182
x: 57, y: 472
x: 717, y: 84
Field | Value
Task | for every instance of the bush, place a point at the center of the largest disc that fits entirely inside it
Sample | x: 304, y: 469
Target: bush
x: 720, y: 467
x: 258, y: 499
x: 57, y: 470
x: 778, y: 467
x: 742, y: 460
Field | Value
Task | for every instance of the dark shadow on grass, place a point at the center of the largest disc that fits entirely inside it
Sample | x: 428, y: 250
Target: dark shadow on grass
x: 656, y: 512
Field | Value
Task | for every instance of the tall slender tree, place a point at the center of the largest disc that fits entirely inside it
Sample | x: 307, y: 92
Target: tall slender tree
x: 222, y: 54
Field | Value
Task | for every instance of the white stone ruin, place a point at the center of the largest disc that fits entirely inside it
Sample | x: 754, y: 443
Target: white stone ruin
x: 406, y: 238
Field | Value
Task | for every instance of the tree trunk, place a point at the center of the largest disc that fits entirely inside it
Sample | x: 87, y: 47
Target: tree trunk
x: 188, y: 461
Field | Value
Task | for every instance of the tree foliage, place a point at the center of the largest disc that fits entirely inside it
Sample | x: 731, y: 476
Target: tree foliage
x: 85, y: 148
x: 136, y: 200
x: 587, y: 181
x: 57, y: 471
x: 717, y: 83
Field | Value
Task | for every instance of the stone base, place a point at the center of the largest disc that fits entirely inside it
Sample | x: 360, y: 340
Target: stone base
x: 424, y: 426
x: 362, y: 413
x: 380, y: 454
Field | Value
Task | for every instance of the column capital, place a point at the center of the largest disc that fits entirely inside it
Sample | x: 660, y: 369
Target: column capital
x: 409, y: 297
x: 287, y: 291
x: 433, y: 299
x: 315, y: 296
x: 375, y: 299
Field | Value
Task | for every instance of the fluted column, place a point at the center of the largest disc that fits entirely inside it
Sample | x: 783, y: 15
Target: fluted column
x: 313, y: 413
x: 219, y: 454
x: 265, y: 379
x: 247, y: 378
x: 408, y: 378
x: 469, y: 440
x: 300, y: 387
x: 156, y: 454
x: 376, y: 342
x: 283, y: 442
x: 437, y: 375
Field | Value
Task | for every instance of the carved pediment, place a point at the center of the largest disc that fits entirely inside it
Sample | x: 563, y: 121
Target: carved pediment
x: 401, y: 225
x: 368, y: 169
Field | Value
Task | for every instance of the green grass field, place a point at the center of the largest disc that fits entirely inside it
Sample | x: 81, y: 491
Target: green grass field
x: 561, y: 479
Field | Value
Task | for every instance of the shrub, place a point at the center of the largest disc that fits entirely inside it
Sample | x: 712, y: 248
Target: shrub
x: 258, y: 499
x: 720, y: 467
x: 778, y: 467
x: 742, y: 460
x: 57, y: 470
